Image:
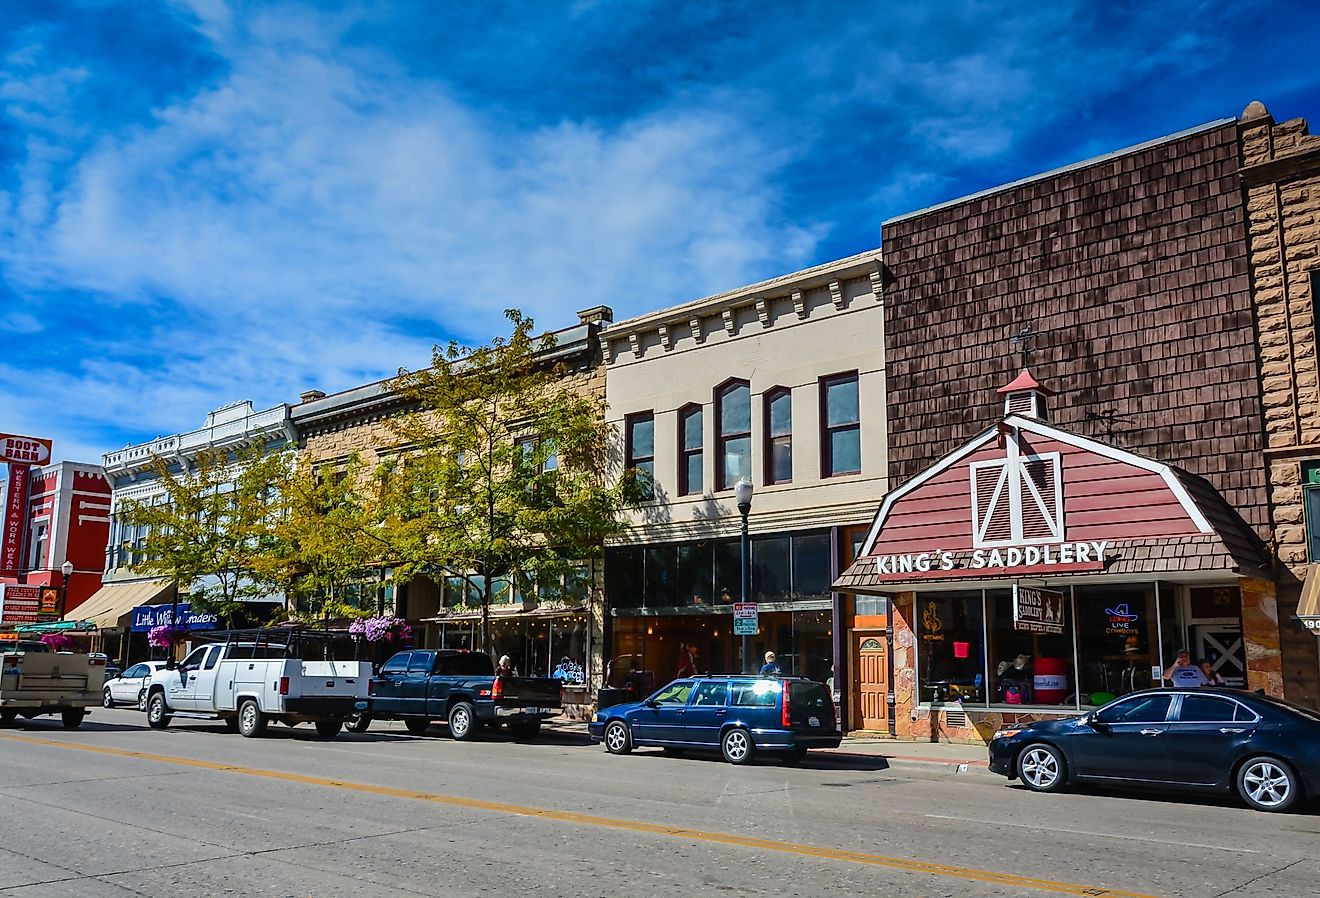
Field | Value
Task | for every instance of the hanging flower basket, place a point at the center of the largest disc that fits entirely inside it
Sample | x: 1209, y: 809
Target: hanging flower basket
x: 384, y: 629
x: 165, y: 636
x: 58, y: 642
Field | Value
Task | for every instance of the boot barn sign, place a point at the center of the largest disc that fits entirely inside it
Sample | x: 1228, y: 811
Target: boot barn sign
x: 17, y: 450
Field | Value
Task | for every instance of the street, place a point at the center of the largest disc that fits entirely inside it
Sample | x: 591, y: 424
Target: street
x: 117, y: 809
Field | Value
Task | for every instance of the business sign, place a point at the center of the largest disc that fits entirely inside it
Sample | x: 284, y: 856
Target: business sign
x: 746, y: 621
x: 17, y: 450
x: 11, y: 541
x: 1037, y: 610
x: 1063, y: 558
x: 147, y: 616
x: 19, y: 604
x: 50, y: 600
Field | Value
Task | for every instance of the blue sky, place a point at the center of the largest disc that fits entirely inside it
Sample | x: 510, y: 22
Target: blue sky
x: 208, y: 201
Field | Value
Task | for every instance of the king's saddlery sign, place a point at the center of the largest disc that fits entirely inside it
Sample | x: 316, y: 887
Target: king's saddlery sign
x: 1037, y: 610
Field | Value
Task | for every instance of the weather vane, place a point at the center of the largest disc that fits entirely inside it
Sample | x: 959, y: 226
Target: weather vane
x: 1021, y: 342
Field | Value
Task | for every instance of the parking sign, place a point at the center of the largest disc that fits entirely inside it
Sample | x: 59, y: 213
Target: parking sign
x: 745, y: 619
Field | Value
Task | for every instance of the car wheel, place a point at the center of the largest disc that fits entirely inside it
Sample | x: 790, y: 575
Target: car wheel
x: 359, y: 724
x: 329, y: 729
x: 618, y: 738
x: 72, y: 718
x: 417, y: 726
x: 251, y: 722
x: 142, y: 700
x: 158, y: 713
x: 736, y: 746
x: 107, y: 701
x: 462, y: 721
x: 1040, y: 767
x: 1267, y: 784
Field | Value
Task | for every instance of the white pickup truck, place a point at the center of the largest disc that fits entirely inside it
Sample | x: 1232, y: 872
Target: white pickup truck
x: 38, y: 681
x: 248, y: 682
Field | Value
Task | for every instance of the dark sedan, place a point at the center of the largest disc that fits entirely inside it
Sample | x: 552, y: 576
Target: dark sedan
x: 1226, y: 740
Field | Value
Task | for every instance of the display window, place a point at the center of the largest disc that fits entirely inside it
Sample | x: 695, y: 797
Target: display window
x: 1121, y: 642
x: 951, y: 635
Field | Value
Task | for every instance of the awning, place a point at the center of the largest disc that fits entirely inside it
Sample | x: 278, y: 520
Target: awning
x: 114, y: 600
x: 1308, y: 609
x: 57, y: 626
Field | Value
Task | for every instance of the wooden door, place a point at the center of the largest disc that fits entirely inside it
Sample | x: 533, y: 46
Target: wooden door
x: 871, y: 683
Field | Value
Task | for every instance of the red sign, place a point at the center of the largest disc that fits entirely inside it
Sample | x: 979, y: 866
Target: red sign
x: 19, y: 604
x: 17, y: 450
x: 11, y: 545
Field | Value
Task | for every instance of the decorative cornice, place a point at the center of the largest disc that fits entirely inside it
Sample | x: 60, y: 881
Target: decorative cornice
x: 664, y: 337
x: 727, y: 315
x: 799, y: 303
x: 635, y: 341
x: 697, y: 334
x: 877, y: 276
x: 763, y: 311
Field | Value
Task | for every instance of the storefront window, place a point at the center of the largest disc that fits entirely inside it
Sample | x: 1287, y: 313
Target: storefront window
x: 1028, y: 668
x: 624, y: 576
x: 950, y: 637
x: 1117, y: 640
x: 770, y: 569
x: 811, y: 566
x: 695, y: 565
x: 662, y: 576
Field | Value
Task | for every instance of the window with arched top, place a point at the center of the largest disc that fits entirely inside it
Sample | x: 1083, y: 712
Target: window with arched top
x: 691, y: 455
x: 778, y: 423
x: 733, y: 426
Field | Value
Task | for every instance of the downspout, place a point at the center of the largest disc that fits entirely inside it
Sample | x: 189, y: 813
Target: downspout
x: 891, y: 701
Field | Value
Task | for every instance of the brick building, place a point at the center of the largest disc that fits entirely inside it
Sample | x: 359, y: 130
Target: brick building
x: 1281, y: 180
x: 533, y: 632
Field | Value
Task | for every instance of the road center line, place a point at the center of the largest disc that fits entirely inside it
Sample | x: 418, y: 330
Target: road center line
x: 659, y: 829
x: 1087, y: 832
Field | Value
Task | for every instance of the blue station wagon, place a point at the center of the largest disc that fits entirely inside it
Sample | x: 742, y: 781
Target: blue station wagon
x: 740, y: 716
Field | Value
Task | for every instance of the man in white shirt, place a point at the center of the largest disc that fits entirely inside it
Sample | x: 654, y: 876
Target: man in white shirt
x: 1184, y: 673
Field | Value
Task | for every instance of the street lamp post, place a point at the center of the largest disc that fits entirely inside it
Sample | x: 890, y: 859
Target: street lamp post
x: 742, y: 494
x: 66, y: 570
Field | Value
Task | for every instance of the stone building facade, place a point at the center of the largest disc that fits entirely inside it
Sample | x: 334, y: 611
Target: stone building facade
x: 1280, y: 178
x: 358, y: 421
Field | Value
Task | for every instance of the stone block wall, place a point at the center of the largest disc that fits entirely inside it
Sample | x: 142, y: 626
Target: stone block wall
x: 1280, y: 177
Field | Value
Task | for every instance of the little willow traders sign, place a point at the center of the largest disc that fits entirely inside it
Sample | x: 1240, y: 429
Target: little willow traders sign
x: 1037, y: 610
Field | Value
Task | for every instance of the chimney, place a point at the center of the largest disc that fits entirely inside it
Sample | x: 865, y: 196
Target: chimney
x: 601, y: 315
x: 307, y: 396
x: 1025, y: 397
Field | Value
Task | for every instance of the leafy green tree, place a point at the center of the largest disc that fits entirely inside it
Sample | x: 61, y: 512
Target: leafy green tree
x: 503, y: 474
x: 325, y: 549
x: 212, y: 535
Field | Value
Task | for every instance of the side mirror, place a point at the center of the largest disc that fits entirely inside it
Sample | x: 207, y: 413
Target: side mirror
x: 1096, y: 723
x: 652, y: 703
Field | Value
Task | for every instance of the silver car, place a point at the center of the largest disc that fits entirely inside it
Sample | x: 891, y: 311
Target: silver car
x: 129, y: 688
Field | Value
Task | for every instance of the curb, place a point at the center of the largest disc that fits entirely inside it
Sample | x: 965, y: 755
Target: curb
x: 951, y: 765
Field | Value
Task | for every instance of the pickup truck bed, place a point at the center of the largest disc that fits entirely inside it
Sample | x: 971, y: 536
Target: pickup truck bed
x: 35, y: 683
x: 424, y: 685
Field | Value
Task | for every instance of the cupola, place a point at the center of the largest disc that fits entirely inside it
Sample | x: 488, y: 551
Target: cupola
x: 1025, y: 396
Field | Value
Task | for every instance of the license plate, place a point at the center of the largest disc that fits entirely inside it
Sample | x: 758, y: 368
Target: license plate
x: 813, y: 721
x: 537, y: 710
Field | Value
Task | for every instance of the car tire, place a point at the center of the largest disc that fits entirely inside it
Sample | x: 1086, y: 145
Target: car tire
x: 1040, y: 767
x: 417, y: 725
x: 618, y: 738
x: 107, y: 701
x: 158, y: 713
x: 72, y: 718
x: 359, y: 724
x: 142, y: 700
x: 1267, y: 784
x: 462, y: 721
x: 525, y: 732
x: 329, y: 729
x: 736, y: 746
x: 251, y: 722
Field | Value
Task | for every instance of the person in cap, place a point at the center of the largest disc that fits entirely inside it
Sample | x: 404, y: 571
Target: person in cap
x: 771, y: 667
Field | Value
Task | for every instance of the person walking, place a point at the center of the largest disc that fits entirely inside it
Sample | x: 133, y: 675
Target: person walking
x: 686, y: 666
x: 771, y: 667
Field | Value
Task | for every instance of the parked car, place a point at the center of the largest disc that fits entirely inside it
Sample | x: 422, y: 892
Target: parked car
x: 740, y: 716
x: 39, y: 682
x: 130, y: 687
x: 1264, y: 749
x: 111, y: 668
x: 422, y: 685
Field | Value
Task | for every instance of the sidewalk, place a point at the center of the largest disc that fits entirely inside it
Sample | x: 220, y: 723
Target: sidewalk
x: 883, y: 752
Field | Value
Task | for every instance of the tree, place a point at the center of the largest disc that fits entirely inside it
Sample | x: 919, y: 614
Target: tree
x: 324, y: 550
x: 503, y: 474
x: 212, y: 533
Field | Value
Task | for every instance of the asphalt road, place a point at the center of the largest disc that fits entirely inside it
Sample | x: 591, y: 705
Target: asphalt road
x: 116, y: 809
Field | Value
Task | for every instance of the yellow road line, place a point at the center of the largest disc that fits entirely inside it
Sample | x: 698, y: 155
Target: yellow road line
x: 659, y: 829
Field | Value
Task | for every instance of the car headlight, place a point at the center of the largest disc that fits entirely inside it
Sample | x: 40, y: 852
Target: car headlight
x: 595, y: 718
x: 1007, y: 733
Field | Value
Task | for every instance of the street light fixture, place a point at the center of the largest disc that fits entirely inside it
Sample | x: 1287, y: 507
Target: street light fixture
x: 742, y: 494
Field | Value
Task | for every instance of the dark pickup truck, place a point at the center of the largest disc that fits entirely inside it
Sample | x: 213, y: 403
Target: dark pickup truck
x: 423, y: 685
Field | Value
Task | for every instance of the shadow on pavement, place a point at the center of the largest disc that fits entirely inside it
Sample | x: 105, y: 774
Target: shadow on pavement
x: 1173, y: 796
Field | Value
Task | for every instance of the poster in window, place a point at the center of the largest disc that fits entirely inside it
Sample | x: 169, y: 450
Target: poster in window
x: 1037, y: 610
